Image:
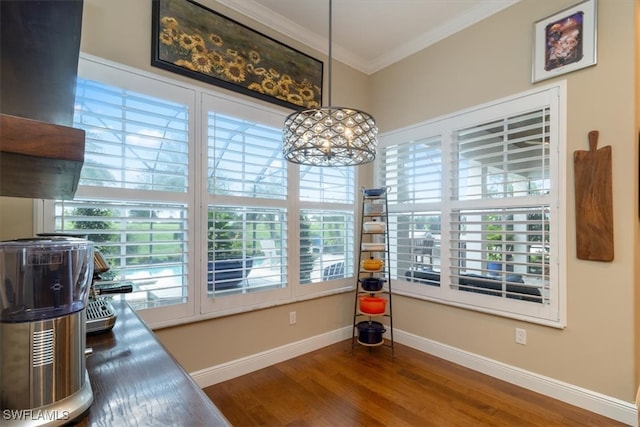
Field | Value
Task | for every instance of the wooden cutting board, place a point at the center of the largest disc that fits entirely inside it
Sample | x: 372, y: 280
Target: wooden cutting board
x: 594, y: 201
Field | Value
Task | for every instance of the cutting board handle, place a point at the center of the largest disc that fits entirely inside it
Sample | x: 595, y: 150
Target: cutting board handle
x: 593, y: 140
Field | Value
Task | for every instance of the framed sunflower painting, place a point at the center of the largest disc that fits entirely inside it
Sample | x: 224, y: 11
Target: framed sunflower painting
x: 197, y: 42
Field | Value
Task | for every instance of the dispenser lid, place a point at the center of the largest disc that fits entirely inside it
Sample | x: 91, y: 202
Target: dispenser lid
x: 44, y: 277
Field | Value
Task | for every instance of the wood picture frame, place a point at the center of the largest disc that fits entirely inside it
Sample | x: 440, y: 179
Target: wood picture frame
x: 197, y: 42
x: 565, y: 41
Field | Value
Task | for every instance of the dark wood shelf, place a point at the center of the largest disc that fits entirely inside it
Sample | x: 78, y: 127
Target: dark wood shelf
x: 39, y: 160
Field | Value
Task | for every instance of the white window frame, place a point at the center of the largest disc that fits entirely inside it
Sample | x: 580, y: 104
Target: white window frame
x: 199, y: 305
x: 552, y: 314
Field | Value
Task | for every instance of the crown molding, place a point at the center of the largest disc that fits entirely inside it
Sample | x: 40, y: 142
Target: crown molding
x: 294, y: 30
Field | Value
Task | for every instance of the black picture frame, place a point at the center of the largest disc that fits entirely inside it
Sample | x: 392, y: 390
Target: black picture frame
x: 194, y: 41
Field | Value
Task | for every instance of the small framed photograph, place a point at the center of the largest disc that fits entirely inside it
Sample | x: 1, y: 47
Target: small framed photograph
x: 565, y: 42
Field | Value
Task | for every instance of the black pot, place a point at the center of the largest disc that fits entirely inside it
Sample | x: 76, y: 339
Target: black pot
x: 372, y: 284
x: 370, y: 332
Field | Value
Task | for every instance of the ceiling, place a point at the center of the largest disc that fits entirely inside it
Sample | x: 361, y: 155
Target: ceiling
x: 368, y: 35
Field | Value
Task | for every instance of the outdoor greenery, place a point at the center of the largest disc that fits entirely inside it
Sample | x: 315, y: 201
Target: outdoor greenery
x: 232, y: 234
x: 307, y: 257
x: 225, y: 237
x: 538, y: 227
x: 497, y: 237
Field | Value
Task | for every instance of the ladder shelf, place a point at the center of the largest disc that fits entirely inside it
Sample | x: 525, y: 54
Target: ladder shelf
x: 373, y: 309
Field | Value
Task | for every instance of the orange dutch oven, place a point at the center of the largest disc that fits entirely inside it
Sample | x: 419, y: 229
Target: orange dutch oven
x: 372, y: 264
x: 372, y: 305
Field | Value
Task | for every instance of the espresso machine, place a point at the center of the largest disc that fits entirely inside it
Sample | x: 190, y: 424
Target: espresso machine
x: 44, y: 290
x: 100, y: 314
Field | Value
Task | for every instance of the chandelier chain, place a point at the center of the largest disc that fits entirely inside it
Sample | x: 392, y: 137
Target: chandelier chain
x: 330, y: 136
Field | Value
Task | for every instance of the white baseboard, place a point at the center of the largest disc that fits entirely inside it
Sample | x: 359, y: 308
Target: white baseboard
x: 245, y: 365
x: 625, y: 412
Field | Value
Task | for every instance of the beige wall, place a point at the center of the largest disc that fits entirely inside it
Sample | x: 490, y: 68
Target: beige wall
x: 636, y: 229
x: 493, y: 59
x: 16, y: 219
x: 482, y: 63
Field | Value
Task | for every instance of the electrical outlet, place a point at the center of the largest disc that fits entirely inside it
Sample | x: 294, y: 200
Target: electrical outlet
x: 292, y: 318
x: 521, y: 336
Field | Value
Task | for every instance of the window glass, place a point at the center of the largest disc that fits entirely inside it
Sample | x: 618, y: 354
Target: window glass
x: 503, y: 158
x: 413, y: 170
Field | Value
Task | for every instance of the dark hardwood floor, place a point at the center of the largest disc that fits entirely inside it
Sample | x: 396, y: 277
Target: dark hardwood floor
x: 333, y: 387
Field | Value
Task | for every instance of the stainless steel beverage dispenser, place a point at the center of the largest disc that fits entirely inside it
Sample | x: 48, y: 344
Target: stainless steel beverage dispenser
x: 44, y: 286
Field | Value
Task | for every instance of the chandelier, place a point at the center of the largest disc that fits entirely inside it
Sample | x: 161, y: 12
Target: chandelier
x: 330, y: 136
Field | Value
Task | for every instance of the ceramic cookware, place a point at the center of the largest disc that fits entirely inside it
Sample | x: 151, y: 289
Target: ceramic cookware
x: 372, y: 305
x: 372, y: 264
x: 372, y: 284
x: 373, y: 226
x: 370, y: 332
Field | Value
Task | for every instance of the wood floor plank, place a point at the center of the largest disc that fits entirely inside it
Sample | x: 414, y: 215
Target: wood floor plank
x: 334, y: 386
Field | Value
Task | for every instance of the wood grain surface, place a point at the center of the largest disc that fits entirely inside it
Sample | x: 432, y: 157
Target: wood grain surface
x: 331, y: 387
x: 39, y: 160
x: 594, y: 201
x: 136, y: 382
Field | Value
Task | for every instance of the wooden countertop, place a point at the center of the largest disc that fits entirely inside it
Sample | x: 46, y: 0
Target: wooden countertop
x: 136, y: 381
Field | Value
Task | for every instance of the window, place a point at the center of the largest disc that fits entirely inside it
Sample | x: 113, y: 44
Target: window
x: 135, y: 193
x: 246, y: 234
x: 326, y: 228
x: 475, y: 207
x: 186, y: 194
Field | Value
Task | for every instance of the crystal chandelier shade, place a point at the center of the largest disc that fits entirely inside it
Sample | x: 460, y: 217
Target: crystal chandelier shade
x: 330, y: 136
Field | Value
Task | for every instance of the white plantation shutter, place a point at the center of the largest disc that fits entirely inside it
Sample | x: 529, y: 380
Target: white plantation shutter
x: 475, y: 208
x: 413, y: 169
x: 509, y: 246
x: 132, y: 141
x: 247, y: 202
x: 145, y: 245
x: 504, y: 158
x: 245, y: 159
x: 326, y: 240
x: 134, y: 198
x: 413, y: 173
x: 327, y: 224
x: 327, y: 185
x: 500, y: 168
